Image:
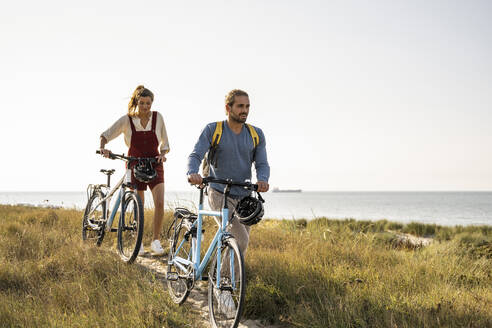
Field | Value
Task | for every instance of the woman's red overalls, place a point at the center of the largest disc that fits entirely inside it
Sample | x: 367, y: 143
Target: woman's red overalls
x: 145, y: 144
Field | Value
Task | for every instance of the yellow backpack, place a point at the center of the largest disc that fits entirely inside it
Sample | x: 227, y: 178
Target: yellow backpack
x: 210, y: 156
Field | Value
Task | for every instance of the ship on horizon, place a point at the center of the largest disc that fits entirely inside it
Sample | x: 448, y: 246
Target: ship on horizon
x: 276, y: 189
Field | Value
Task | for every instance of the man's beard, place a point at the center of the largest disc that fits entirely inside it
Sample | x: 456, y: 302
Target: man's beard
x: 238, y: 119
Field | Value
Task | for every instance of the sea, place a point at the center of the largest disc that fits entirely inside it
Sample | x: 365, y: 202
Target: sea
x: 442, y: 208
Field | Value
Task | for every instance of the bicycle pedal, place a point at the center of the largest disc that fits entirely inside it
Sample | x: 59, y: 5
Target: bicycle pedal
x: 205, y: 278
x: 114, y: 229
x: 172, y: 276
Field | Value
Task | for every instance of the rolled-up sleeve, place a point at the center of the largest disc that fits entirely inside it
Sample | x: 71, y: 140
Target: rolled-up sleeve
x: 164, y: 147
x: 261, y: 160
x: 116, y: 129
x: 201, y: 147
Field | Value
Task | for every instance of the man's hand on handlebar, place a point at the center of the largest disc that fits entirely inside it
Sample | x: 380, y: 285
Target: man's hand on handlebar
x: 195, y: 179
x: 263, y: 186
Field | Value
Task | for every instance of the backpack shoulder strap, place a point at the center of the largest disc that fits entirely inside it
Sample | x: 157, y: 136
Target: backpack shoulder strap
x: 254, y: 134
x: 210, y: 155
x: 217, y: 134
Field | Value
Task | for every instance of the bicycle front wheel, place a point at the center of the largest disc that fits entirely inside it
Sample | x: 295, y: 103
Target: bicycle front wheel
x: 226, y: 295
x: 130, y: 227
x: 93, y: 223
x: 179, y: 278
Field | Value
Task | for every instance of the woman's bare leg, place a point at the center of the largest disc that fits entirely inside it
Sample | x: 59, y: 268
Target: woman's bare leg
x: 158, y: 195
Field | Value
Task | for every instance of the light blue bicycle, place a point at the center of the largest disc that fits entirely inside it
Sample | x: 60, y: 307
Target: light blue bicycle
x: 226, y: 275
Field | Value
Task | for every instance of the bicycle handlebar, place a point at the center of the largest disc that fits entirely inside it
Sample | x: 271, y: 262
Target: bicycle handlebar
x: 246, y: 185
x: 129, y: 158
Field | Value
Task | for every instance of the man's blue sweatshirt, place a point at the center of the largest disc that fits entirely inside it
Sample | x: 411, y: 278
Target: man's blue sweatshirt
x: 235, y: 156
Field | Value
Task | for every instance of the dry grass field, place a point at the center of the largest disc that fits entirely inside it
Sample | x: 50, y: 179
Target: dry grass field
x: 319, y: 273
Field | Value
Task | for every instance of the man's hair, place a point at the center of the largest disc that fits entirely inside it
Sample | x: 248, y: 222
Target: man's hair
x: 231, y: 96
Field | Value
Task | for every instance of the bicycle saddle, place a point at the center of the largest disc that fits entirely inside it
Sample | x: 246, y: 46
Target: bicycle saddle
x: 107, y: 172
x: 183, y: 213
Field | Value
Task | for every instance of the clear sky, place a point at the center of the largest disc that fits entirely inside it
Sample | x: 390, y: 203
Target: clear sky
x: 352, y: 95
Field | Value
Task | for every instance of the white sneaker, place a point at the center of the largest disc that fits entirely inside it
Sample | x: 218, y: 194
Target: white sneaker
x: 141, y: 250
x: 225, y: 303
x: 156, y: 247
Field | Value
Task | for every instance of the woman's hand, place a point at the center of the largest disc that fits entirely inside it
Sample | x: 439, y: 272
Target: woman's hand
x: 161, y: 158
x: 105, y: 152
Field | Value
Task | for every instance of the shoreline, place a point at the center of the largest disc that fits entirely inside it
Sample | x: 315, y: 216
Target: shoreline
x: 404, y: 222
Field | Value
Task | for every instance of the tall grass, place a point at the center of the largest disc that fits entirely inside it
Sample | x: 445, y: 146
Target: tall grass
x: 49, y: 278
x: 341, y: 273
x: 319, y: 273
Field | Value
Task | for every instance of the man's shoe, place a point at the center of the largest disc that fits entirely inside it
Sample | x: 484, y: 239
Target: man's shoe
x: 156, y: 248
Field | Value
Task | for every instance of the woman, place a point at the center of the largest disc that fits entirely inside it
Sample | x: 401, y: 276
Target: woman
x: 145, y: 135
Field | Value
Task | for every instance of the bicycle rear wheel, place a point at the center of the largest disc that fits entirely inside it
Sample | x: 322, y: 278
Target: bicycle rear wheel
x: 179, y: 276
x: 226, y: 298
x: 130, y: 227
x: 93, y: 223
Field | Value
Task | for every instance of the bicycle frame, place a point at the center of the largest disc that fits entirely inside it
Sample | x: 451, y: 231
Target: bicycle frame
x: 199, y: 266
x: 107, y: 200
x: 122, y: 184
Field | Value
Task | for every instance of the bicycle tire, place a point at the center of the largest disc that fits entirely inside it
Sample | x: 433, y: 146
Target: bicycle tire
x: 130, y: 227
x: 88, y: 233
x: 180, y: 289
x: 236, y: 287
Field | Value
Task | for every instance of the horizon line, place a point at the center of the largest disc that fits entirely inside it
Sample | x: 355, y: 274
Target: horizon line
x: 294, y: 192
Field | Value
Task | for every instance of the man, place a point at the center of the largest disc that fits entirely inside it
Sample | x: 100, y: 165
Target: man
x: 235, y: 155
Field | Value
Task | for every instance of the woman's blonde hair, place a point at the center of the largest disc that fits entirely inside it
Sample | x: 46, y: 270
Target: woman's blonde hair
x: 140, y: 91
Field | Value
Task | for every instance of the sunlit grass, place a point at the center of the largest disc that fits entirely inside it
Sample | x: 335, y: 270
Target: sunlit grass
x: 347, y: 273
x: 319, y: 273
x: 50, y: 278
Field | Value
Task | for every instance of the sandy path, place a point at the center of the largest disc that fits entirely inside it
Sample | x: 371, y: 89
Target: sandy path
x: 198, y: 296
x: 413, y: 240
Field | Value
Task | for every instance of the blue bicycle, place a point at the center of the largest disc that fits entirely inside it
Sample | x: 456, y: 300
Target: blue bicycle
x: 226, y: 274
x: 97, y: 220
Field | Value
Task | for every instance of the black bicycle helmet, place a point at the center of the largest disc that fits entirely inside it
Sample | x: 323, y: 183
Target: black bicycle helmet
x: 144, y: 172
x: 249, y: 210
